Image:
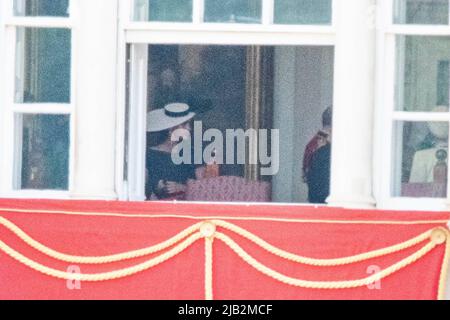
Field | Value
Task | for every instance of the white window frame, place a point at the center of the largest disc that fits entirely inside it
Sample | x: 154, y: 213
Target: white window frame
x: 223, y: 33
x: 8, y: 29
x: 198, y: 10
x: 386, y: 115
x: 140, y: 34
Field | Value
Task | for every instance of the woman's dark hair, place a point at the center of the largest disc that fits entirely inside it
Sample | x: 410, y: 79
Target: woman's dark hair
x: 156, y: 138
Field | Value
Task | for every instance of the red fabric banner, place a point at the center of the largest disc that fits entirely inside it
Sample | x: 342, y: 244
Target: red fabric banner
x: 90, y: 228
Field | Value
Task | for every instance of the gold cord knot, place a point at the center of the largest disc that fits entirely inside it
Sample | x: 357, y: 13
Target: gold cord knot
x: 208, y: 229
x: 439, y: 236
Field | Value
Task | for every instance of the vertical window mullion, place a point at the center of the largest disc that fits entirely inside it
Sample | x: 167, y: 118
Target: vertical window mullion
x: 18, y: 150
x: 268, y: 10
x: 387, y: 13
x: 7, y: 9
x: 74, y: 15
x: 127, y: 11
x: 448, y: 22
x: 10, y: 64
x: 8, y: 99
x: 198, y: 8
x: 334, y: 11
x: 388, y: 125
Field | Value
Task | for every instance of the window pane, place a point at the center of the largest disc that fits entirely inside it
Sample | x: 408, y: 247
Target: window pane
x: 421, y: 11
x: 33, y: 8
x: 423, y: 73
x: 285, y: 91
x: 43, y: 59
x: 163, y: 10
x: 44, y: 151
x: 239, y: 11
x: 303, y: 11
x: 421, y: 159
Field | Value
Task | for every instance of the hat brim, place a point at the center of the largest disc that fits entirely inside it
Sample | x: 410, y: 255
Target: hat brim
x: 157, y: 120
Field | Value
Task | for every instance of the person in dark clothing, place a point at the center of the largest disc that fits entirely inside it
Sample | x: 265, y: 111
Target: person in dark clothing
x: 318, y: 141
x: 165, y: 179
x: 317, y: 161
x: 319, y: 175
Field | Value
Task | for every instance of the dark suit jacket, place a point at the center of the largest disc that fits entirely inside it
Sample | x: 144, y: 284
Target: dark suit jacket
x: 319, y: 175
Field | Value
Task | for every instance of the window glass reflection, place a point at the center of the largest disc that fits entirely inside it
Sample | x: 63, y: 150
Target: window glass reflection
x: 43, y: 63
x: 421, y: 11
x: 44, y: 156
x: 34, y: 8
x: 421, y: 159
x: 303, y: 11
x: 423, y: 73
x: 163, y: 10
x: 238, y: 11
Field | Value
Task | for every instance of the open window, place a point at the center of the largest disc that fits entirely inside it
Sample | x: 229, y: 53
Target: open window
x: 261, y: 113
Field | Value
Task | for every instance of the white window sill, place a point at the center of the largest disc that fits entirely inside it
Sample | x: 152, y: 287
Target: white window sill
x: 414, y: 204
x: 36, y: 194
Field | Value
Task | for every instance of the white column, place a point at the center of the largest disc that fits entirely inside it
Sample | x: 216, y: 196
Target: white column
x: 352, y: 156
x: 284, y: 120
x: 4, y: 168
x: 95, y: 50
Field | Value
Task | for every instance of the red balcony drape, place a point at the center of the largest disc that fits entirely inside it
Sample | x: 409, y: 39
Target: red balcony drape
x: 96, y: 228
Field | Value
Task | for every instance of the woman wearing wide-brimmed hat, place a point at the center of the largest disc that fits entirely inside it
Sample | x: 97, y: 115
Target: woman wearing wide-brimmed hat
x: 165, y: 179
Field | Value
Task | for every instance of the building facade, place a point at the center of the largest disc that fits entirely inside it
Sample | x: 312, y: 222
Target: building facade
x: 78, y: 78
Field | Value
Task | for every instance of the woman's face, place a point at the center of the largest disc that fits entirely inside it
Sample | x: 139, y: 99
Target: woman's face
x: 185, y: 132
x: 187, y: 126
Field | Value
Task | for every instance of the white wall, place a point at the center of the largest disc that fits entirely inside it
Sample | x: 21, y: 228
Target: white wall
x: 314, y: 94
x: 303, y: 90
x: 283, y: 120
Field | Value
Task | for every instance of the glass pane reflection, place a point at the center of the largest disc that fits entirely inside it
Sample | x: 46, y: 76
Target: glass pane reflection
x: 43, y: 65
x: 423, y: 73
x: 421, y: 11
x: 45, y: 151
x: 46, y: 8
x: 303, y: 11
x: 163, y: 10
x: 420, y: 159
x: 233, y: 11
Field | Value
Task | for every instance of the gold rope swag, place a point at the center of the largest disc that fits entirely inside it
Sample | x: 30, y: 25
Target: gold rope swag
x: 207, y: 230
